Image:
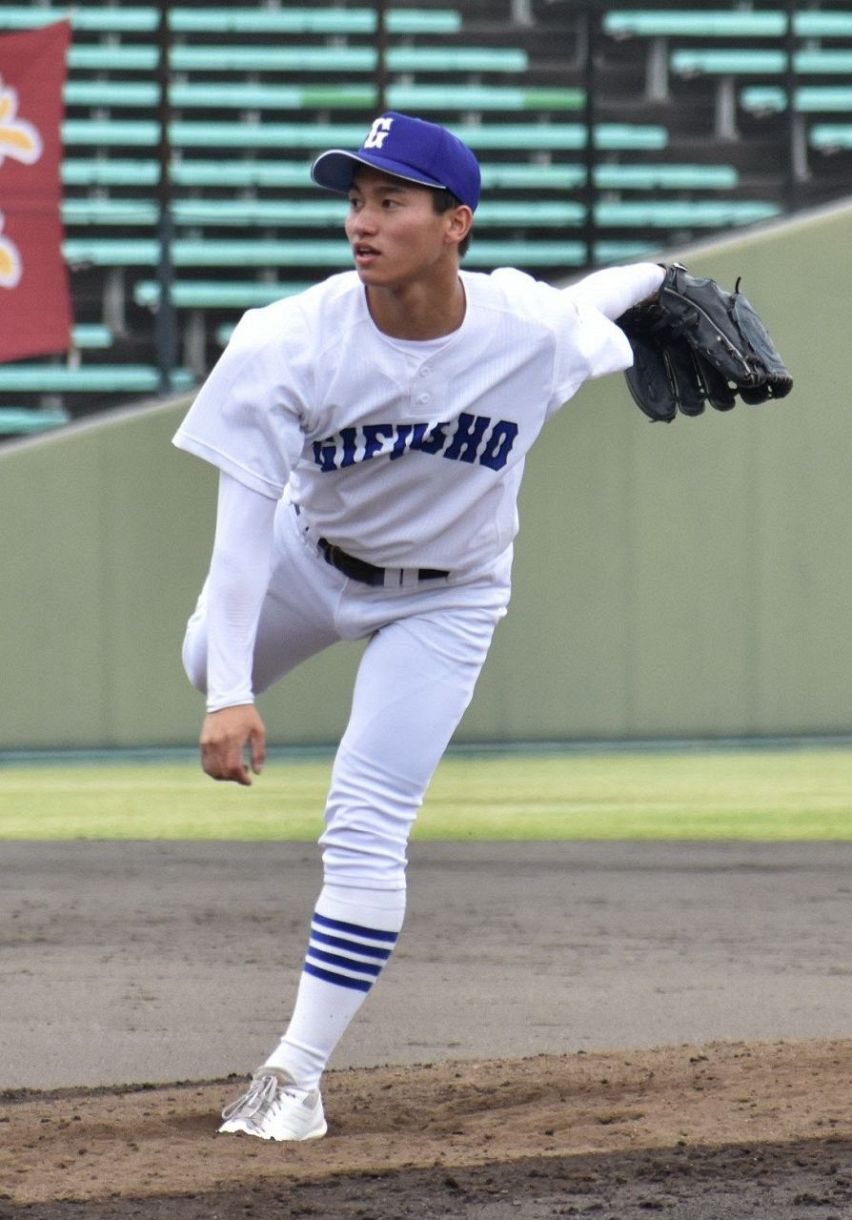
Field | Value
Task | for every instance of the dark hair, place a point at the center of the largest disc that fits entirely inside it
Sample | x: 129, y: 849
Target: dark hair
x: 443, y: 201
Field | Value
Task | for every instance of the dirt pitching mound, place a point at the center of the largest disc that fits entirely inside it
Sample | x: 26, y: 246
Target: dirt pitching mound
x: 719, y: 1132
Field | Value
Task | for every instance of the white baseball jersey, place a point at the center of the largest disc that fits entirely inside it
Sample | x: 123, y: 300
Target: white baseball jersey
x: 405, y: 454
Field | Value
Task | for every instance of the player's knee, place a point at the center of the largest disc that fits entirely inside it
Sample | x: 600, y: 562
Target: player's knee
x: 363, y: 861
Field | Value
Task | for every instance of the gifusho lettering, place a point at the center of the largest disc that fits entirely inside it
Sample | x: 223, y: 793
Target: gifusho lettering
x: 470, y: 439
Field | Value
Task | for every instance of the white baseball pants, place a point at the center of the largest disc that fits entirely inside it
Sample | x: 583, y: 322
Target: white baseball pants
x: 427, y: 642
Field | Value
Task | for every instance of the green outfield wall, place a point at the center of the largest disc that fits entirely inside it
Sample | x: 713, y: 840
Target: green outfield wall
x: 683, y: 580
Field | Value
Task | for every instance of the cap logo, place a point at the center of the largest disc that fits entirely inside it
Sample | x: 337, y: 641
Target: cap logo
x: 379, y: 132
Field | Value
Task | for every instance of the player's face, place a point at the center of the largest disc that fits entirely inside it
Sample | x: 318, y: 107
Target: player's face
x: 396, y: 235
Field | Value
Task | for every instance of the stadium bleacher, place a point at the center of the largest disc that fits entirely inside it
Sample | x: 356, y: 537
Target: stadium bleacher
x: 687, y: 133
x: 737, y: 47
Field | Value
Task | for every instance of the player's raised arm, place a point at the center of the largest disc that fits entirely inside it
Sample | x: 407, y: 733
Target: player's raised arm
x: 612, y: 290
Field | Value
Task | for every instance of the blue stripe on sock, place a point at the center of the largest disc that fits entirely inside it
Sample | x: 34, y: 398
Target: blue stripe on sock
x: 337, y: 942
x: 346, y: 963
x: 337, y: 925
x: 339, y: 980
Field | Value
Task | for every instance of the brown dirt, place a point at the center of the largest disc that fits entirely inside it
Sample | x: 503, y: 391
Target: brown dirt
x: 721, y: 1132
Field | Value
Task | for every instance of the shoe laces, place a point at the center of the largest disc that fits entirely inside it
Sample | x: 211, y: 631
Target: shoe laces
x: 261, y: 1092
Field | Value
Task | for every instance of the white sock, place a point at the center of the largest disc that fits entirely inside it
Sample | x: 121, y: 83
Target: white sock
x: 353, y: 932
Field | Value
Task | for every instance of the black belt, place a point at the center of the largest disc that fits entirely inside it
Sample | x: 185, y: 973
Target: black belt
x: 367, y: 573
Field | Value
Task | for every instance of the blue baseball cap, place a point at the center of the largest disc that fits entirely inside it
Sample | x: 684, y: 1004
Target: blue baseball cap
x: 407, y: 148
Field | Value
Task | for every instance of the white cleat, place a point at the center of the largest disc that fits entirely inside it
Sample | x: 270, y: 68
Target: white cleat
x: 274, y: 1108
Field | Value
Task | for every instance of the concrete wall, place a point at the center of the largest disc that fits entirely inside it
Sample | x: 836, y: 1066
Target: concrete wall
x: 674, y: 580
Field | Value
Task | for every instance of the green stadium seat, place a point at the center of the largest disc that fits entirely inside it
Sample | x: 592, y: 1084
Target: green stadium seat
x: 263, y: 173
x: 266, y: 252
x: 245, y: 294
x: 118, y: 171
x: 245, y: 58
x: 728, y: 62
x: 507, y: 175
x: 238, y: 295
x: 113, y: 252
x: 529, y: 137
x: 216, y: 95
x: 823, y: 23
x: 317, y: 213
x: 23, y: 421
x: 211, y: 252
x: 123, y: 171
x: 87, y: 379
x: 322, y: 212
x: 688, y: 214
x: 622, y: 251
x: 327, y: 253
x: 699, y: 23
x: 760, y: 62
x: 94, y: 211
x: 120, y: 93
x: 808, y: 99
x: 118, y: 133
x: 482, y: 97
x: 456, y: 59
x: 513, y: 175
x: 726, y: 23
x: 307, y: 20
x: 763, y: 99
x: 530, y: 213
x: 124, y: 57
x: 91, y: 335
x: 108, y: 18
x: 245, y: 96
x: 675, y: 177
x: 325, y: 20
x: 831, y: 137
x: 272, y: 58
x: 216, y: 294
x: 823, y: 62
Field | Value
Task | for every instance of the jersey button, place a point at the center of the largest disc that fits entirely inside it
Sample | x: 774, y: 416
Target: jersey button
x: 424, y: 398
x: 425, y: 371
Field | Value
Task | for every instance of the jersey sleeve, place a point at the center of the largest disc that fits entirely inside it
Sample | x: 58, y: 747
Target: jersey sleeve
x: 586, y: 342
x: 236, y: 587
x: 612, y: 290
x: 597, y: 346
x: 247, y: 419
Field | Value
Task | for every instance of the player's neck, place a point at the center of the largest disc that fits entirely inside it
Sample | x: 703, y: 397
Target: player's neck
x: 418, y: 310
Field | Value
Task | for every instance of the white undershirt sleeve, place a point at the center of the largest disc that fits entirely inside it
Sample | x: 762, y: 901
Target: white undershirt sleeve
x: 614, y: 289
x: 237, y: 584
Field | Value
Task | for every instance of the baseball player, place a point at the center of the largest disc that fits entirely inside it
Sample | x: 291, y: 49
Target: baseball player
x: 370, y: 435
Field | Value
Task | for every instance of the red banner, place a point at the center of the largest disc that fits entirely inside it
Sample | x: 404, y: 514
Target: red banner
x: 35, y: 303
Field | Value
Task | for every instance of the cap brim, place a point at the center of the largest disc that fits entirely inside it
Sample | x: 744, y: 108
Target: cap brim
x: 335, y: 170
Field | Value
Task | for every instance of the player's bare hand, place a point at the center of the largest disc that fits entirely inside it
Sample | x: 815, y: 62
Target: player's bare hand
x: 226, y: 737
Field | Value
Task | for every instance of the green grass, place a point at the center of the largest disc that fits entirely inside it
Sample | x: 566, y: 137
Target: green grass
x: 737, y: 794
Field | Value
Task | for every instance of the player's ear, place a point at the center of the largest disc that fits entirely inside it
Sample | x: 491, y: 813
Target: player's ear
x: 459, y: 222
